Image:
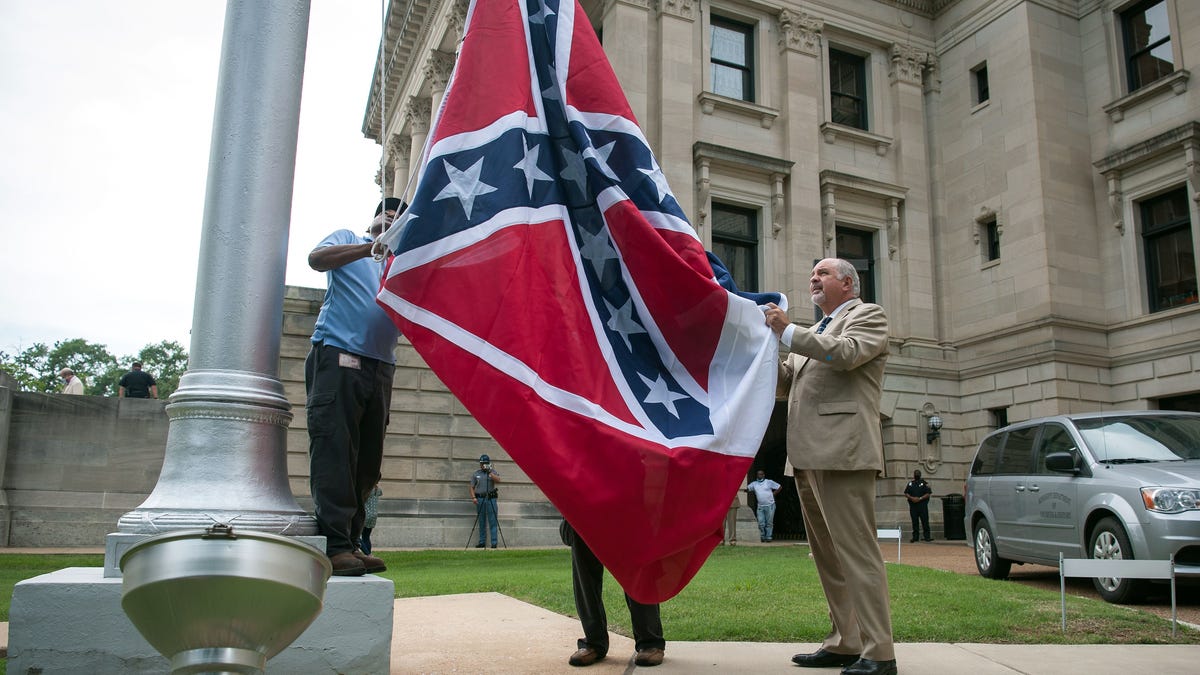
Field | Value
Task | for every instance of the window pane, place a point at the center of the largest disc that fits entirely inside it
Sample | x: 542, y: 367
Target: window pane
x: 858, y: 247
x: 846, y: 110
x: 843, y: 77
x: 739, y: 261
x: 729, y: 45
x: 847, y: 82
x: 1149, y: 26
x: 735, y: 242
x: 993, y: 241
x: 1147, y: 43
x: 739, y: 223
x: 1055, y: 438
x: 1172, y: 266
x: 728, y: 81
x: 1017, y: 455
x: 1149, y: 67
x: 1168, y: 210
x: 981, y: 85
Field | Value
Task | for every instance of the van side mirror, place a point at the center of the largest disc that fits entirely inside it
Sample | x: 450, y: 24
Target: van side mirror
x: 1063, y: 462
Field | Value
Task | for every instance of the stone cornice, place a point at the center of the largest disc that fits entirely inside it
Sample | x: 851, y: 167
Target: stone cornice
x: 399, y: 147
x: 408, y: 25
x: 800, y: 32
x: 680, y: 9
x: 908, y: 64
x: 418, y: 111
x: 1171, y: 141
x: 740, y: 158
x: 438, y: 67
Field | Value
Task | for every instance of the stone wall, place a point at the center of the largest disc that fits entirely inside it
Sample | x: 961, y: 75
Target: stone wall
x: 75, y: 464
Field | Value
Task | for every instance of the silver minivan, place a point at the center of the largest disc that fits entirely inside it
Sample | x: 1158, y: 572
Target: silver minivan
x: 1095, y: 485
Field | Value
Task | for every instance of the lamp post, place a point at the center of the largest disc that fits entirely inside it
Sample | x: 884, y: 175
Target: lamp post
x: 226, y: 450
x: 935, y: 429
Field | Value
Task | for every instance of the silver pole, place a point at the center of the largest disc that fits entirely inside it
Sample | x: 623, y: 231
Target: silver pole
x: 226, y: 446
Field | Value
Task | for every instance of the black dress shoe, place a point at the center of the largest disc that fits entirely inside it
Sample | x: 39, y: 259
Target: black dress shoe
x: 869, y: 667
x: 824, y: 659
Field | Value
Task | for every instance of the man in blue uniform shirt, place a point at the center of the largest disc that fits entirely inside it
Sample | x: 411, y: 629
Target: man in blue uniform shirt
x: 348, y: 379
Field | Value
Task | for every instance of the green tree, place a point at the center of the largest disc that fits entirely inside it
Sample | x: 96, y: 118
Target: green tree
x: 93, y: 363
x: 36, y: 368
x: 29, y: 366
x: 166, y: 361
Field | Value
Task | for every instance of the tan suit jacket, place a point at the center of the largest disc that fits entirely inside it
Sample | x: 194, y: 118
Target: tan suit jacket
x: 833, y: 402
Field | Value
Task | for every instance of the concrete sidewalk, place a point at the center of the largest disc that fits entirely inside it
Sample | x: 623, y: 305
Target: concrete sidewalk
x: 493, y: 633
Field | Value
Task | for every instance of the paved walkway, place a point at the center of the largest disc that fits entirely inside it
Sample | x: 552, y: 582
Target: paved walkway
x: 493, y: 633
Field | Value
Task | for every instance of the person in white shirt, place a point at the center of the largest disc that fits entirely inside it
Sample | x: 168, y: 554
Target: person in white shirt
x: 71, y: 383
x: 765, y: 490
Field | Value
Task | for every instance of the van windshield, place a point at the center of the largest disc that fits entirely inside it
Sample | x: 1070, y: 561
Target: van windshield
x: 1149, y: 438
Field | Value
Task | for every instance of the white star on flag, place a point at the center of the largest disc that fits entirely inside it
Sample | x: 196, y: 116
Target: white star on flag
x: 661, y: 393
x: 464, y: 185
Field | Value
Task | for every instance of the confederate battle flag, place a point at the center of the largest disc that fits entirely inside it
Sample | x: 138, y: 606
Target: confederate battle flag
x: 547, y: 275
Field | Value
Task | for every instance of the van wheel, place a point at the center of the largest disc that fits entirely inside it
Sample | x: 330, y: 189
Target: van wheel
x: 990, y: 564
x: 1109, y: 542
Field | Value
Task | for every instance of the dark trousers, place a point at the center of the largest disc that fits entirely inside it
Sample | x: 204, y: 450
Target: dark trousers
x: 364, y: 542
x: 347, y: 411
x: 920, y: 515
x: 587, y: 576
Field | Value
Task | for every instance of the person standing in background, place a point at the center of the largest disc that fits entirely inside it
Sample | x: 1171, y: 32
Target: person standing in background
x: 483, y: 495
x: 71, y: 383
x: 764, y: 490
x: 137, y: 384
x: 918, y: 492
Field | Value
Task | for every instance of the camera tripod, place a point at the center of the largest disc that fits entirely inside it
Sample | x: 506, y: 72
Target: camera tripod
x: 489, y: 507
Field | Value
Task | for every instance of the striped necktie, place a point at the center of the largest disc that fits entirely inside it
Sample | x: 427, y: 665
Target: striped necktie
x: 824, y: 322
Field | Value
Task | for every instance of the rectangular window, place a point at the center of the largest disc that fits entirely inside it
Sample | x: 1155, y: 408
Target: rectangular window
x: 732, y: 58
x: 1167, y: 242
x: 735, y: 242
x: 1017, y: 455
x: 1147, y: 36
x: 848, y: 89
x: 991, y: 241
x: 979, y: 84
x: 999, y: 417
x: 858, y: 247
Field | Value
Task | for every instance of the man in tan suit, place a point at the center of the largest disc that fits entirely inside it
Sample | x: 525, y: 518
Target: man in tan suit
x: 835, y: 444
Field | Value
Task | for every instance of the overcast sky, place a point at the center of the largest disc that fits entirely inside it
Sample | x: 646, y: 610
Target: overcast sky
x: 105, y: 124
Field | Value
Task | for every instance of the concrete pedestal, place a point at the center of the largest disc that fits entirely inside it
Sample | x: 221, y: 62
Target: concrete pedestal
x: 70, y: 621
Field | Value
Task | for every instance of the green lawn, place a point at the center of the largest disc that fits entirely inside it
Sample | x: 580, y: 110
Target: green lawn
x: 748, y: 593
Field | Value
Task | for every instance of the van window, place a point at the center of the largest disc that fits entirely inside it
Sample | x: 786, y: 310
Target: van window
x: 985, y: 459
x: 1017, y: 454
x: 1055, y: 438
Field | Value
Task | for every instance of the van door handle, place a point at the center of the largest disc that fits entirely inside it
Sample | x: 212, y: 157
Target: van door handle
x: 1020, y: 488
x: 1033, y: 488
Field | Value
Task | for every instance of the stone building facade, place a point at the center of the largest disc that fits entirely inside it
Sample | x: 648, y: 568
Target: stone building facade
x: 1017, y: 180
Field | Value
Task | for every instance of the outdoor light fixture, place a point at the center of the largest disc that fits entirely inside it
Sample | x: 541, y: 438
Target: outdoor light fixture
x: 935, y: 428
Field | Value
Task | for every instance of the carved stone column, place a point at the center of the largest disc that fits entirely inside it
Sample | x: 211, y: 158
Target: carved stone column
x: 627, y: 26
x: 399, y: 150
x: 911, y: 247
x: 417, y: 113
x: 437, y: 71
x: 802, y: 223
x: 676, y: 21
